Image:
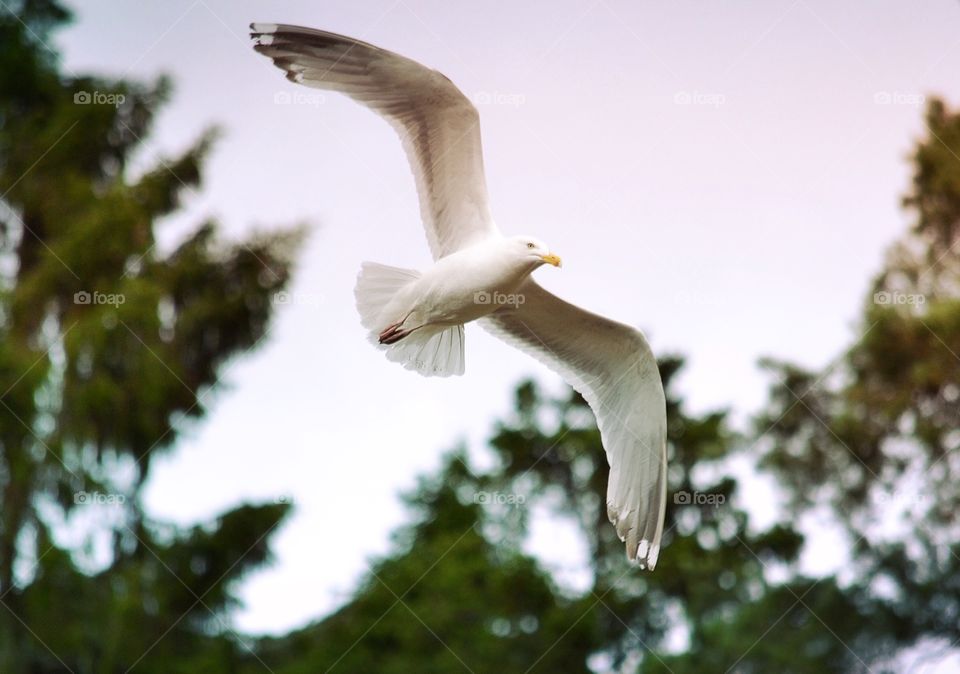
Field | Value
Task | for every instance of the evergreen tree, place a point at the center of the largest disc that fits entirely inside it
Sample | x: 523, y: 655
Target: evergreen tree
x: 105, y: 342
x: 451, y: 597
x: 874, y: 438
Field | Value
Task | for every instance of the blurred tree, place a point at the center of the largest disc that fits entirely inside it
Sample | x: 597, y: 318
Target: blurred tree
x: 712, y: 564
x: 104, y: 344
x: 449, y: 599
x: 873, y: 439
x: 159, y: 607
x: 459, y: 594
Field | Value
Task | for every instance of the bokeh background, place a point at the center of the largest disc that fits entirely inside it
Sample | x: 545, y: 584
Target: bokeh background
x: 203, y: 459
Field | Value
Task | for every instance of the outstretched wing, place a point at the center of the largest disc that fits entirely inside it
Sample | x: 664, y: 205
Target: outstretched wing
x: 439, y: 127
x: 612, y: 366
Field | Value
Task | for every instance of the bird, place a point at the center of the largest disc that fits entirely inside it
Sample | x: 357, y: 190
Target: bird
x: 479, y: 274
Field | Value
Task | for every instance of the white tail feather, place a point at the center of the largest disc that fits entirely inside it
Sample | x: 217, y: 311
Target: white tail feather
x: 377, y: 284
x: 433, y: 351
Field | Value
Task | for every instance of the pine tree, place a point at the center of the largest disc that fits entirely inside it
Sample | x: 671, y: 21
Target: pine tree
x: 449, y: 597
x: 105, y: 343
x: 874, y: 437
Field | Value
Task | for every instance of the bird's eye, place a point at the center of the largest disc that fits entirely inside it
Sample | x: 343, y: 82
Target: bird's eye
x: 530, y: 245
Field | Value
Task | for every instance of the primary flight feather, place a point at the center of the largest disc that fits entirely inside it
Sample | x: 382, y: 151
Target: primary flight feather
x: 418, y: 318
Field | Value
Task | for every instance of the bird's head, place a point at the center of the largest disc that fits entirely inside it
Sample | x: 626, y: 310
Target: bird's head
x: 534, y: 251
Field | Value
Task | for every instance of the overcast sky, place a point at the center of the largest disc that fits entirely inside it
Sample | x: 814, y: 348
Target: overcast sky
x: 725, y: 176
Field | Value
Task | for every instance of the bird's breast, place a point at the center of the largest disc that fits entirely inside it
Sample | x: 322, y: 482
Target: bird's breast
x: 459, y: 290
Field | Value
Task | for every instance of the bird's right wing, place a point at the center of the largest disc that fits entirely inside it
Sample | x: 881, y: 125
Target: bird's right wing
x: 438, y: 125
x: 612, y: 366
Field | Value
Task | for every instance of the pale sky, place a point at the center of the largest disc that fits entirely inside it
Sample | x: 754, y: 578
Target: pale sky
x: 725, y: 176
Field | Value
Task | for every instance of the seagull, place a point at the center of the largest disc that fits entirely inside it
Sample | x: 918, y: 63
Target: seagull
x: 417, y: 318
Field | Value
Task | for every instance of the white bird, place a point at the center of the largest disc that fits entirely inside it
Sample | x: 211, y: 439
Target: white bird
x: 418, y: 318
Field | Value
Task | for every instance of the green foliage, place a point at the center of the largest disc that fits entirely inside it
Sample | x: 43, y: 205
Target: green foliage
x: 105, y: 342
x: 447, y: 599
x: 161, y: 606
x: 874, y: 438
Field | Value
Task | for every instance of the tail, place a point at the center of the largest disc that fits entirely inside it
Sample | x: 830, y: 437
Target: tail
x: 433, y: 351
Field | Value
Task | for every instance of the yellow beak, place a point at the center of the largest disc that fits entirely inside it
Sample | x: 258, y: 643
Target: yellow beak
x: 552, y: 259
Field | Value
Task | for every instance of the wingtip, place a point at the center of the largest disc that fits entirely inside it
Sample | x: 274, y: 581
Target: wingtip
x: 263, y: 28
x: 647, y: 555
x: 641, y: 551
x: 644, y: 554
x: 262, y: 33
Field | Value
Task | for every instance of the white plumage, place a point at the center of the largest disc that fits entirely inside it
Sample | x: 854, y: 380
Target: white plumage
x: 479, y: 274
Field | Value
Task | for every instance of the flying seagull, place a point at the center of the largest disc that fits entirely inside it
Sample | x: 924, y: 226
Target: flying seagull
x: 417, y: 318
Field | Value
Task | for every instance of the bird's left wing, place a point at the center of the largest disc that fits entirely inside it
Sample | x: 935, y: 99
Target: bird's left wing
x: 612, y: 366
x: 438, y: 126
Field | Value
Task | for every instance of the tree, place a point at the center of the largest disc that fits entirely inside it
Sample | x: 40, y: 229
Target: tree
x: 874, y: 438
x: 447, y: 599
x: 457, y: 592
x: 105, y: 342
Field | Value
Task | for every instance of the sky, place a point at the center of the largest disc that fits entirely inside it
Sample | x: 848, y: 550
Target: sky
x: 725, y: 176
